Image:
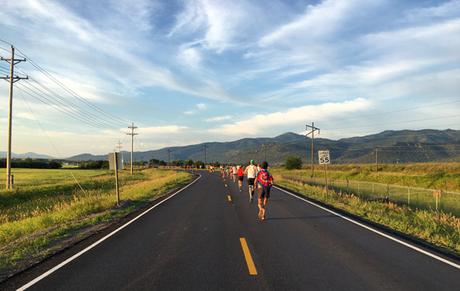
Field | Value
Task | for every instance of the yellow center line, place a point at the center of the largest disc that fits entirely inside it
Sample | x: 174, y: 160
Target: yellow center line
x: 247, y: 255
x: 229, y: 198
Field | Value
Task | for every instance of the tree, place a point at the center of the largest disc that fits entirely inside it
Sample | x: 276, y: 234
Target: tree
x: 293, y: 162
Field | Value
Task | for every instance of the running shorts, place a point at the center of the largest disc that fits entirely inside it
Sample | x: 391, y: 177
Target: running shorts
x: 251, y: 181
x: 240, y: 178
x: 264, y: 192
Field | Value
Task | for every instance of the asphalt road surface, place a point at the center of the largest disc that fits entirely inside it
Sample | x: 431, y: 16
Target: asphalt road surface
x: 200, y: 239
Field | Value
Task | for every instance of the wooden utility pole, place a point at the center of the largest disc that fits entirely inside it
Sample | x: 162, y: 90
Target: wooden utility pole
x: 376, y: 159
x: 132, y: 134
x: 12, y: 79
x: 205, y: 147
x: 311, y: 130
x: 169, y: 157
x: 117, y: 189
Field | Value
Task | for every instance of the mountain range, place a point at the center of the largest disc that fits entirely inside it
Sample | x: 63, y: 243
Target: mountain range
x: 392, y: 147
x: 27, y: 155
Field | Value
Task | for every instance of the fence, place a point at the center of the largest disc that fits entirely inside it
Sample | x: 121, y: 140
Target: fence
x: 420, y: 198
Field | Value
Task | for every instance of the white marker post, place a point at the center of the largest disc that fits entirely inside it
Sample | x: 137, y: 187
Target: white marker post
x: 324, y: 158
x: 114, y: 161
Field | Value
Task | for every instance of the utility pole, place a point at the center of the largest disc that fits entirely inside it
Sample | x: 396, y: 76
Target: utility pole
x: 311, y: 130
x: 205, y: 147
x: 12, y: 79
x: 132, y: 134
x: 376, y: 159
x: 169, y: 157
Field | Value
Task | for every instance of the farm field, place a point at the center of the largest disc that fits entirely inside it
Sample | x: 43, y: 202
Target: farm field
x: 412, y: 184
x: 48, y: 206
x: 445, y: 176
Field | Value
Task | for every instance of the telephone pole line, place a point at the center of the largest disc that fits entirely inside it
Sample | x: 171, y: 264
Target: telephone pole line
x: 311, y: 130
x: 376, y: 159
x: 205, y: 147
x: 12, y: 79
x: 169, y: 157
x: 132, y: 134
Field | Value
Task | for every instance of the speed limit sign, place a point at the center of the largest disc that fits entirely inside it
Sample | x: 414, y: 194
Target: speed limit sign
x: 324, y: 157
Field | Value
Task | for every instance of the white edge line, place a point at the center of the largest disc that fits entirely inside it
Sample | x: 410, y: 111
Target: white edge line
x: 376, y: 231
x: 62, y: 264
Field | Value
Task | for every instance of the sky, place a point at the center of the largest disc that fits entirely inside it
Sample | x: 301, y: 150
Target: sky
x: 199, y: 70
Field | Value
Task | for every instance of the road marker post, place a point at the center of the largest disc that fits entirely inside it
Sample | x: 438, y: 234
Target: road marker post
x: 113, y: 165
x: 324, y: 158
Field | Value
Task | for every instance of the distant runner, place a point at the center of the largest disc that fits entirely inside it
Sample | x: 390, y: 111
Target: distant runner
x: 234, y: 172
x: 251, y: 173
x: 240, y: 173
x: 264, y: 183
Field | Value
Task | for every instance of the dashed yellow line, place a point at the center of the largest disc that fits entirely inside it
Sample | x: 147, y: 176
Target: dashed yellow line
x: 229, y: 198
x: 247, y: 255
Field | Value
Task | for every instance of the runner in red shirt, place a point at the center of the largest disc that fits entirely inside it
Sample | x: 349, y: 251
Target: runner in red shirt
x: 240, y: 173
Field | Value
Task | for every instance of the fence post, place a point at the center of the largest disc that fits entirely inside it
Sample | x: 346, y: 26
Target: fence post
x: 348, y: 188
x: 358, y: 188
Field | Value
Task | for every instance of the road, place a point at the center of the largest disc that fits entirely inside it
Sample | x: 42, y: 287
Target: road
x: 195, y: 241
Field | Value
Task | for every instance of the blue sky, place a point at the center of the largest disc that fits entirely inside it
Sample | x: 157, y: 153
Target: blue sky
x: 194, y: 71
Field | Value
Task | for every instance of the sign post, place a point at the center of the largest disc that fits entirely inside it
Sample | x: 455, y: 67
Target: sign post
x: 114, y: 161
x: 324, y: 158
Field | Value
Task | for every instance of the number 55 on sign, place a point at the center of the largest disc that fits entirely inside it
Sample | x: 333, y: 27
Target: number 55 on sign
x: 324, y: 157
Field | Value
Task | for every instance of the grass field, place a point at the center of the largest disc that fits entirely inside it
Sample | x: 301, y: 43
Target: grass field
x: 441, y: 229
x: 445, y: 176
x: 47, y: 207
x: 410, y: 184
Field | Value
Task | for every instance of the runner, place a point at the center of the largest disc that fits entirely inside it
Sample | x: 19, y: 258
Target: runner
x: 240, y: 173
x: 264, y: 183
x: 251, y: 173
x: 234, y: 172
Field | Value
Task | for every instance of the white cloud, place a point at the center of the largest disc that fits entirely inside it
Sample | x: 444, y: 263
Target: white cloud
x: 201, y: 106
x: 257, y: 124
x: 218, y: 118
x: 218, y: 21
x: 318, y: 21
x: 443, y: 10
x: 165, y: 129
x: 190, y: 57
x: 198, y: 107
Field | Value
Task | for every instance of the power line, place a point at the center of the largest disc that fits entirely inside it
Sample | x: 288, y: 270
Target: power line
x: 59, y: 107
x: 49, y: 140
x: 73, y: 93
x: 70, y: 104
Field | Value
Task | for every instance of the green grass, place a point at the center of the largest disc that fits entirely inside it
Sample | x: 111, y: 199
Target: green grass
x: 392, y: 182
x: 47, y: 207
x: 445, y: 176
x: 442, y: 230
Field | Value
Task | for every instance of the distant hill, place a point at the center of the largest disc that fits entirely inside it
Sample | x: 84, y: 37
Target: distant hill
x: 392, y: 146
x: 27, y: 155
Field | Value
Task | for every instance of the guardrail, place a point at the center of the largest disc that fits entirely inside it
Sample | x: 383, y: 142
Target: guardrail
x: 413, y: 197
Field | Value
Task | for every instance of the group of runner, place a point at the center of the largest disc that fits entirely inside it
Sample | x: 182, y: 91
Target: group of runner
x: 259, y: 180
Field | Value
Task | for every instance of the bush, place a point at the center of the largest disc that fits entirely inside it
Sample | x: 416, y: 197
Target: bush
x: 293, y: 163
